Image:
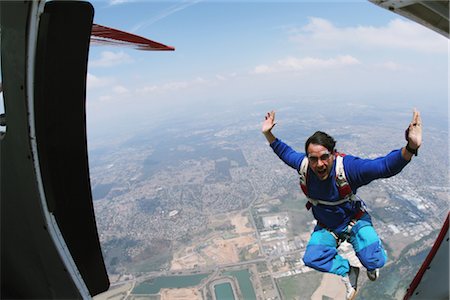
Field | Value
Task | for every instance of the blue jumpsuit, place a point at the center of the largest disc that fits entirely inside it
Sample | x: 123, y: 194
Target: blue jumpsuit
x: 321, y: 251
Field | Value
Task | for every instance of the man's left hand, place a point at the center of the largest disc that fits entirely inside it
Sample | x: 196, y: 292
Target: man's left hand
x: 414, y: 131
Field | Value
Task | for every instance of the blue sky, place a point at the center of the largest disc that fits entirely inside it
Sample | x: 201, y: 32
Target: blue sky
x: 249, y: 51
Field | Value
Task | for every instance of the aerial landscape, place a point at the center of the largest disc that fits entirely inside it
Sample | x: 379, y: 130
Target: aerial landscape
x: 203, y: 201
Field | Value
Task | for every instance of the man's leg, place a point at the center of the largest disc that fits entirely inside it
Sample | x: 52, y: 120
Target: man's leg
x: 368, y: 245
x: 321, y: 254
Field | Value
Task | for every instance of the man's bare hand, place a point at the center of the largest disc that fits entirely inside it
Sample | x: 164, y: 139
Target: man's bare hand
x: 414, y: 131
x: 267, y: 126
x: 269, y: 122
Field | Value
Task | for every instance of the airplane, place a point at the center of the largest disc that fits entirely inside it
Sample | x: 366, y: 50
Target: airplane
x: 49, y: 241
x: 429, y: 13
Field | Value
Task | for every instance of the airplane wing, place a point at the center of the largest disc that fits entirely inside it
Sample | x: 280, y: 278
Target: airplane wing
x: 431, y: 281
x: 432, y: 14
x: 104, y: 35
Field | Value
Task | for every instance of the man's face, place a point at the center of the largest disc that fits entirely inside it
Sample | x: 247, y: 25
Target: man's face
x: 320, y: 160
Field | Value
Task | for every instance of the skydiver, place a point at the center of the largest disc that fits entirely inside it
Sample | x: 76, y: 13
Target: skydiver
x: 330, y: 181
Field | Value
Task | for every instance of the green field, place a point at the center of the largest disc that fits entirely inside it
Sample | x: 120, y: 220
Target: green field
x: 300, y: 286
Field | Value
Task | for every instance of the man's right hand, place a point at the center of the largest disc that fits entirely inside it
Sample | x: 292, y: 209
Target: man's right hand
x: 267, y: 126
x: 269, y: 122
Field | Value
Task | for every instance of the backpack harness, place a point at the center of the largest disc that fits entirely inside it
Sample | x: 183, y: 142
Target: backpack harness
x: 345, y: 194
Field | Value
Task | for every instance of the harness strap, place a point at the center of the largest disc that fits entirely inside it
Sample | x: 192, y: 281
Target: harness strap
x: 341, y: 180
x: 340, y: 238
x: 314, y: 202
x: 303, y: 171
x: 345, y: 191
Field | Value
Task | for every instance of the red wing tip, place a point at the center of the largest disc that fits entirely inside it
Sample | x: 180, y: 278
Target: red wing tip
x: 106, y: 35
x: 146, y: 48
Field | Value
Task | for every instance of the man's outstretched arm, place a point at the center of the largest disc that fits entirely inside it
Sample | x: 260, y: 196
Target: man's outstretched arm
x: 284, y: 152
x: 363, y: 171
x: 413, y: 136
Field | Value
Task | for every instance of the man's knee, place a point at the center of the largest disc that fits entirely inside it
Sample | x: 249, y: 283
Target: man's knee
x: 368, y: 246
x: 373, y: 256
x: 309, y: 259
x: 319, y: 257
x: 314, y: 263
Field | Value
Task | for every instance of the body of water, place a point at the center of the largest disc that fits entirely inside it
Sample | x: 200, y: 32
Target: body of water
x: 224, y: 291
x: 245, y: 284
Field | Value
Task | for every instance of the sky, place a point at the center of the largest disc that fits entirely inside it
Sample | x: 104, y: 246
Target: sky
x: 248, y: 51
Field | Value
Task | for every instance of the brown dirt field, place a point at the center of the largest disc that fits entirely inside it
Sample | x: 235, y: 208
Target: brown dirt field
x: 253, y: 249
x: 227, y: 251
x: 187, y: 262
x: 180, y: 294
x: 331, y: 286
x: 241, y: 224
x: 243, y: 241
x: 222, y: 252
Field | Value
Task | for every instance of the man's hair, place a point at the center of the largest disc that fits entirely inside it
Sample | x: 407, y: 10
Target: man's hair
x: 320, y: 138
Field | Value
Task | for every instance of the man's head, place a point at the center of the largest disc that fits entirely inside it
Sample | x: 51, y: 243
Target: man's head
x: 319, y: 149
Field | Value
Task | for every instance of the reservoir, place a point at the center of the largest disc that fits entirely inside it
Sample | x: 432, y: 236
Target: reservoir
x: 224, y: 291
x: 171, y: 282
x: 245, y: 284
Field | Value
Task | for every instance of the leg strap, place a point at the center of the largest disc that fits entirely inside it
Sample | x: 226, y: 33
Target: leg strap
x: 346, y: 233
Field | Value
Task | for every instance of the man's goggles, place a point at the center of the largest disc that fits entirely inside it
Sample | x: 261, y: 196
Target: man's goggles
x: 323, y: 157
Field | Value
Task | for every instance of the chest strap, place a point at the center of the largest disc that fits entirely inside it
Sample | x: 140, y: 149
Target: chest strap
x: 345, y: 191
x: 332, y: 203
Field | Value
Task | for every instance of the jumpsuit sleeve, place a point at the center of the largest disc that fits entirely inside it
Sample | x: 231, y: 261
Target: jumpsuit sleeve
x: 289, y: 156
x: 362, y: 171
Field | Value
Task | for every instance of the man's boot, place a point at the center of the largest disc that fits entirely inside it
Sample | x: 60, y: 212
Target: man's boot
x: 351, y: 282
x: 373, y: 275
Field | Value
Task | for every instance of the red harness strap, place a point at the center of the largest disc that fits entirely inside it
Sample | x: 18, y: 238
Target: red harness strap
x: 359, y: 214
x: 341, y: 181
x: 344, y: 191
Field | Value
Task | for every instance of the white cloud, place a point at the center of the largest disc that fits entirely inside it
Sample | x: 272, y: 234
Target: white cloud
x: 391, y: 66
x: 261, y: 69
x: 117, y: 2
x: 221, y: 77
x: 94, y: 82
x: 105, y: 98
x: 200, y: 80
x: 119, y: 89
x: 169, y: 86
x: 293, y: 64
x: 225, y: 77
x: 397, y: 34
x: 109, y: 59
x: 173, y: 86
x: 322, y: 40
